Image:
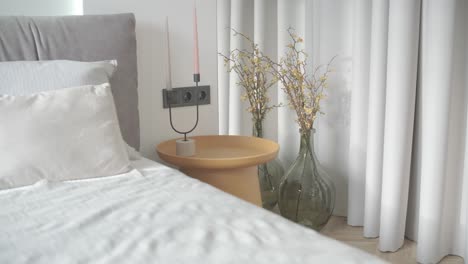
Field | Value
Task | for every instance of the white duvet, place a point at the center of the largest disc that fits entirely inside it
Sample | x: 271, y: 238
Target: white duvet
x: 153, y: 214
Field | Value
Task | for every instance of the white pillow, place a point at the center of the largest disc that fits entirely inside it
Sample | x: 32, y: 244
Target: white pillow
x: 26, y: 77
x: 72, y: 133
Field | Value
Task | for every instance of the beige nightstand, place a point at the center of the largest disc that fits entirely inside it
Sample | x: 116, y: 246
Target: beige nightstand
x: 226, y: 162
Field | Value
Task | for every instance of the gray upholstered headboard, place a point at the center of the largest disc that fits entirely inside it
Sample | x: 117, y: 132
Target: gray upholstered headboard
x: 82, y: 38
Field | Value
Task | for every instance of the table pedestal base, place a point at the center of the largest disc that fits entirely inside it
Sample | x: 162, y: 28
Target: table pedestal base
x: 240, y: 182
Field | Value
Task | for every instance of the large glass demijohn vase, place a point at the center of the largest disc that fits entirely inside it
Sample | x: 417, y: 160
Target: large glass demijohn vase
x: 269, y: 175
x: 306, y: 193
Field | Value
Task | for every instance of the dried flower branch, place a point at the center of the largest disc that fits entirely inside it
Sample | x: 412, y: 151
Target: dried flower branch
x: 304, y: 91
x: 253, y: 69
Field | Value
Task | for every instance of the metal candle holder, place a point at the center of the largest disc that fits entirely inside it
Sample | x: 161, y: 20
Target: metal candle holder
x: 196, y: 79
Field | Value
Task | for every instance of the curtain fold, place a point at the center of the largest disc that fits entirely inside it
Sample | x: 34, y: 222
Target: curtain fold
x: 403, y: 42
x: 358, y: 112
x: 236, y: 123
x: 224, y: 33
x: 393, y: 138
x: 289, y: 15
x: 376, y: 117
x: 436, y: 65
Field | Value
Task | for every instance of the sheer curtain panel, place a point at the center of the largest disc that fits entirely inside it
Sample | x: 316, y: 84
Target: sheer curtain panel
x: 393, y: 137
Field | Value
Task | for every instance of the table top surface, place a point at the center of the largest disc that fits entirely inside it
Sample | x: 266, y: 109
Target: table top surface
x: 221, y: 152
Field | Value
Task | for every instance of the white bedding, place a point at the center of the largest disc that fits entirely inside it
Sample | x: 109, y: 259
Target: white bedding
x: 153, y: 214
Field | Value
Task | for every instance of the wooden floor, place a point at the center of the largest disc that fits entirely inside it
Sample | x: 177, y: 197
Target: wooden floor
x: 339, y: 230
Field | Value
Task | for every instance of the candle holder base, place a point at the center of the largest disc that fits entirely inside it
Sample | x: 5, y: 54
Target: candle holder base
x: 185, y: 148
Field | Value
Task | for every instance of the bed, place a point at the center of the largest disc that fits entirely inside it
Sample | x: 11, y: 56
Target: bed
x: 150, y: 214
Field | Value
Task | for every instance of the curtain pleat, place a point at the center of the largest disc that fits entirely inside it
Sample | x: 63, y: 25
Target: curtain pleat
x: 312, y: 32
x: 265, y: 35
x: 358, y: 112
x: 260, y: 22
x: 224, y: 33
x: 312, y: 43
x: 236, y: 122
x: 289, y: 15
x: 435, y: 215
x: 334, y: 32
x: 403, y: 42
x: 461, y: 226
x: 376, y: 118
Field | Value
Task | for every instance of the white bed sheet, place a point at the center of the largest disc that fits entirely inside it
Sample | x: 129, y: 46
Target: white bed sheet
x: 153, y: 214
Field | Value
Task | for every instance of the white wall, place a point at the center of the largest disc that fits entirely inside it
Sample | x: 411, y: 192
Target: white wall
x: 150, y: 21
x: 40, y: 8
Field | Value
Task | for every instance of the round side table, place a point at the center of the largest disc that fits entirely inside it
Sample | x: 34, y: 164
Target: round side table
x: 226, y: 162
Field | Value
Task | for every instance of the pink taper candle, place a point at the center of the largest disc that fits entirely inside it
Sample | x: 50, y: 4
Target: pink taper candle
x: 195, y: 42
x: 168, y: 58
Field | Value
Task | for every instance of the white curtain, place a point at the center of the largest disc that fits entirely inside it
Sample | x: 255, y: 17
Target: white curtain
x: 394, y: 134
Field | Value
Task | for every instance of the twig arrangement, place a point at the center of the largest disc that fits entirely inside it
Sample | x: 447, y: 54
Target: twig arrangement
x: 257, y: 73
x: 304, y: 91
x: 253, y: 69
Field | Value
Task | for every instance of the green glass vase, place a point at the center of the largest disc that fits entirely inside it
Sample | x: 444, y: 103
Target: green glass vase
x: 306, y: 193
x: 269, y: 175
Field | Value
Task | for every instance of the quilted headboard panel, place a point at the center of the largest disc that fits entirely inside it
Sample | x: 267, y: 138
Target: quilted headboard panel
x: 82, y: 38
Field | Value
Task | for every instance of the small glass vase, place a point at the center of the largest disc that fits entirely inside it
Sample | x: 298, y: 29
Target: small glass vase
x: 269, y: 175
x: 306, y: 193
